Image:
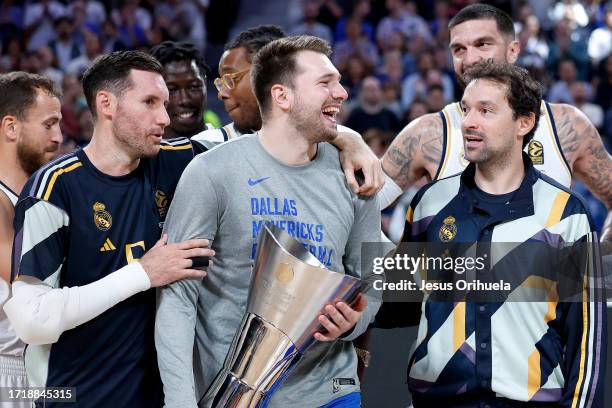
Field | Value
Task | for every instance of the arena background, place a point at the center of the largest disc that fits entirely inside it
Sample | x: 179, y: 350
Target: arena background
x: 565, y: 44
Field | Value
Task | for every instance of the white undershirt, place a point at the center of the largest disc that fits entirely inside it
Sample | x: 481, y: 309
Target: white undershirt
x: 40, y: 314
x: 389, y: 193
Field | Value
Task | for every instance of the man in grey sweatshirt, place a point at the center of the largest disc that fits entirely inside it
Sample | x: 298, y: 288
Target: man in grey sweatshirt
x: 286, y: 174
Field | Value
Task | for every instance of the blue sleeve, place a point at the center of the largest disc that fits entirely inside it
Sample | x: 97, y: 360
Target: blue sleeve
x: 168, y: 166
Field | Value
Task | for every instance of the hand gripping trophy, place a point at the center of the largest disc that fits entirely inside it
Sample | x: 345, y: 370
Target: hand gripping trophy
x: 289, y: 289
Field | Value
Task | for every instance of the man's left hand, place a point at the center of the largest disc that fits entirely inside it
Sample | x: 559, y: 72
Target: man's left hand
x: 340, y: 318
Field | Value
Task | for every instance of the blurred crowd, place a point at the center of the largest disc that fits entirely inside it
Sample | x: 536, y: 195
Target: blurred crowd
x: 393, y: 54
x: 61, y: 39
x: 396, y: 63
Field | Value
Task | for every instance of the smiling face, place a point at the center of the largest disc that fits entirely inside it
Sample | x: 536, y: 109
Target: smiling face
x: 140, y: 115
x: 240, y: 103
x: 476, y: 40
x: 187, y: 103
x: 317, y: 95
x: 490, y: 133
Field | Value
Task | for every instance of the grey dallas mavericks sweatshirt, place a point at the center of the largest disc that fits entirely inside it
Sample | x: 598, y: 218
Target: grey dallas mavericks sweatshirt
x: 225, y: 195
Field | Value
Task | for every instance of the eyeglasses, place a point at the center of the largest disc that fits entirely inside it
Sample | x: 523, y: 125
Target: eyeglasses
x: 229, y: 81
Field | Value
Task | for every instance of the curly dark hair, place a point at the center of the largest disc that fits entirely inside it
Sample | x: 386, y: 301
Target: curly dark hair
x: 255, y: 39
x: 524, y: 94
x: 172, y: 51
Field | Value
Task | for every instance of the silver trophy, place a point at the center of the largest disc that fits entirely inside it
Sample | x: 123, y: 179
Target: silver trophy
x: 289, y: 289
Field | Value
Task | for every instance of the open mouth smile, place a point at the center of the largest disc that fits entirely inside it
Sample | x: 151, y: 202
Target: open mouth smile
x: 330, y: 113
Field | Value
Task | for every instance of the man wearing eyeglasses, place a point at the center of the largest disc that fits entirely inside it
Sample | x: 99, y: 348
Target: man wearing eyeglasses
x: 234, y: 86
x: 234, y: 89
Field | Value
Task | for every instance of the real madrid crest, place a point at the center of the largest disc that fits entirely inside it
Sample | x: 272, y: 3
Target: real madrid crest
x: 535, y: 150
x: 161, y: 200
x: 448, y: 230
x: 102, y: 218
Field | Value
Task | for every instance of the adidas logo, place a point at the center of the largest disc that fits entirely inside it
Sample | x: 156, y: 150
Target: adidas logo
x: 108, y: 246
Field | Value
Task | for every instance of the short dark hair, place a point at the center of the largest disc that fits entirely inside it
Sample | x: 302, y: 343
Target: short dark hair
x: 255, y: 39
x: 524, y: 94
x: 18, y: 90
x: 275, y: 64
x: 172, y: 51
x: 484, y: 12
x: 111, y: 72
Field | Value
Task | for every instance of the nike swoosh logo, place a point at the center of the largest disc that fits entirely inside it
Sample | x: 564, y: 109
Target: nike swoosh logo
x: 257, y: 181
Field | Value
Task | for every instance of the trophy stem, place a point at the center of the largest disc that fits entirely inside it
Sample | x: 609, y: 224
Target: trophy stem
x: 259, y: 359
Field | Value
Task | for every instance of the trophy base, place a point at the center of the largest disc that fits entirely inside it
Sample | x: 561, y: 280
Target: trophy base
x: 235, y: 394
x: 259, y: 359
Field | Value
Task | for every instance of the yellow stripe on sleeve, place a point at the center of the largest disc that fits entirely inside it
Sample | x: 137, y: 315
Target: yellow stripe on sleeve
x: 181, y: 147
x: 534, y: 373
x: 409, y: 215
x: 56, y: 175
x: 557, y: 209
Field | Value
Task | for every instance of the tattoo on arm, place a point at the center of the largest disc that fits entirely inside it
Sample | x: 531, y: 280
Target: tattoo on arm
x: 432, y: 148
x: 417, y: 143
x: 569, y: 137
x: 592, y: 164
x: 400, y: 157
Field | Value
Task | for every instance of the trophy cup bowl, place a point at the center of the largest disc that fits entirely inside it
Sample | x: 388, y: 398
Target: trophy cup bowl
x: 289, y: 290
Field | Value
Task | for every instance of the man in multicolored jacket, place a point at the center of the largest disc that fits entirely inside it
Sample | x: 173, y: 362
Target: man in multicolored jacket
x: 547, y: 353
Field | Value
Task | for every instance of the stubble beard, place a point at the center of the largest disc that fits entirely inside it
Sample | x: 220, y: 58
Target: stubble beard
x: 308, y: 122
x: 132, y: 137
x: 491, y: 158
